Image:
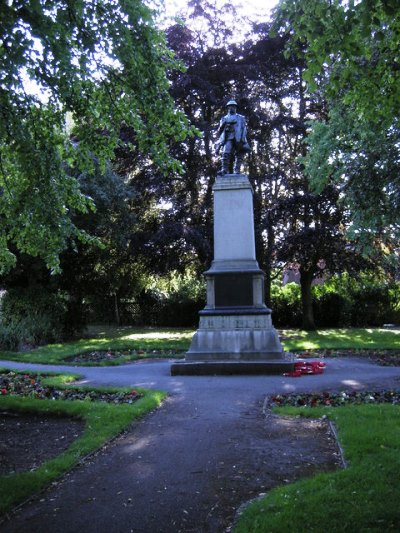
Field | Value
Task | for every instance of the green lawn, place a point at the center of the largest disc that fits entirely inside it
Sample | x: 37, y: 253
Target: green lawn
x: 102, y: 422
x: 172, y: 342
x: 364, y: 497
x: 169, y: 341
x: 366, y: 338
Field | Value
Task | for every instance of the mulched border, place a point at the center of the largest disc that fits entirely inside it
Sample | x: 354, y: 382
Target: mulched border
x: 335, y: 399
x: 125, y: 356
x: 381, y: 357
x: 30, y: 385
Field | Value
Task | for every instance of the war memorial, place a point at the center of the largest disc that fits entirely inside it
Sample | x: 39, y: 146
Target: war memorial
x: 235, y: 334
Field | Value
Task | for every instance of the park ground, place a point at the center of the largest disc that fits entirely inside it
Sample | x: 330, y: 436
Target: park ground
x: 277, y: 453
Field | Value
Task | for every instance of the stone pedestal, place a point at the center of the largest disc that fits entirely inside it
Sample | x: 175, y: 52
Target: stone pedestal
x: 235, y: 337
x: 235, y: 326
x: 233, y: 220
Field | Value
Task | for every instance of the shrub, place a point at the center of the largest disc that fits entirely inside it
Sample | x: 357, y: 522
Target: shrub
x: 358, y: 302
x: 31, y: 317
x: 342, y: 301
x: 332, y: 310
x: 9, y: 337
x: 177, y: 303
x: 286, y: 305
x: 174, y: 300
x: 372, y: 306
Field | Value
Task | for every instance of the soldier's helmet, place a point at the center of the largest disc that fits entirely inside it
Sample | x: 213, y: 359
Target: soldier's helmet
x: 231, y: 102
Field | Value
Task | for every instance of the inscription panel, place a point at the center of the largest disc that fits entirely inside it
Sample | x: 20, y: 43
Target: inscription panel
x: 233, y: 290
x: 231, y: 322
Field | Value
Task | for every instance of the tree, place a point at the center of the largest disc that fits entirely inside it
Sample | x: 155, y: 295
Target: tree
x: 313, y: 240
x: 92, y: 275
x: 351, y: 50
x: 356, y: 42
x: 174, y: 212
x: 293, y: 225
x: 297, y: 227
x: 99, y: 63
x: 362, y: 159
x: 99, y: 276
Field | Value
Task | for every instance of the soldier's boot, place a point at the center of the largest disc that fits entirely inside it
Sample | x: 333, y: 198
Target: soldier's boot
x: 238, y: 164
x: 225, y: 164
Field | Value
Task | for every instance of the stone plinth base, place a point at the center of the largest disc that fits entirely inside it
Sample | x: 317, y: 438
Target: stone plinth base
x: 224, y: 336
x: 230, y: 368
x: 249, y: 345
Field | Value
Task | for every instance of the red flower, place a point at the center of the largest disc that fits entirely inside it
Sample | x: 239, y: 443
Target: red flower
x: 4, y: 391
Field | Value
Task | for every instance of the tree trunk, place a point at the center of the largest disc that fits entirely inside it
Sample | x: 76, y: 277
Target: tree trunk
x: 270, y: 248
x: 267, y: 285
x: 306, y: 277
x: 116, y: 310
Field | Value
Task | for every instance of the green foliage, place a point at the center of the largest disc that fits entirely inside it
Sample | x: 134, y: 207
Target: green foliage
x: 9, y: 337
x: 97, y: 278
x: 357, y: 42
x: 31, y: 317
x: 286, y: 305
x: 341, y: 301
x: 179, y: 298
x: 361, y: 157
x: 334, y: 310
x: 351, y: 51
x: 173, y: 300
x: 361, y: 498
x: 105, y: 64
x: 361, y: 301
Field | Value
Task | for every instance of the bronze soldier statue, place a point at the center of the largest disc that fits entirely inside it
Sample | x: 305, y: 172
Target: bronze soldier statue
x: 232, y: 139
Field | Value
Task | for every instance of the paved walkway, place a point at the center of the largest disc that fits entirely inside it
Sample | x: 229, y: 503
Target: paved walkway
x: 189, y: 465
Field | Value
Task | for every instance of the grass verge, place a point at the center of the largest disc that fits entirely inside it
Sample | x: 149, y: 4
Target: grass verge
x: 171, y: 342
x: 146, y: 340
x: 102, y: 422
x: 364, y: 497
x: 346, y: 339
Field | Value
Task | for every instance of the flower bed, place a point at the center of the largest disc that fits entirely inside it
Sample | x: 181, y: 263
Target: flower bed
x: 382, y: 357
x: 32, y: 386
x: 333, y: 399
x: 98, y: 356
